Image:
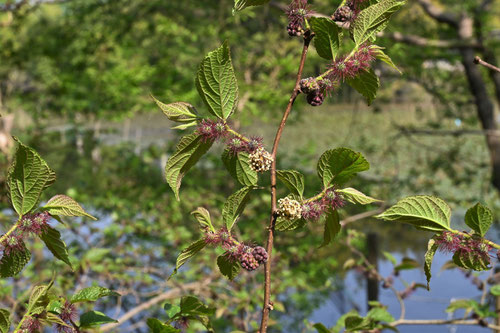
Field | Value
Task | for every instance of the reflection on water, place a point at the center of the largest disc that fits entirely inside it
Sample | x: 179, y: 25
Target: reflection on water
x: 446, y: 286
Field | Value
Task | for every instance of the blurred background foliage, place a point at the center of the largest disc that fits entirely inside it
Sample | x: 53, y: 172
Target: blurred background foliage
x: 76, y: 78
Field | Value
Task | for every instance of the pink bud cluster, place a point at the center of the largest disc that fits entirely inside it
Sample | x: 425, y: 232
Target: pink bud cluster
x: 211, y: 130
x: 297, y: 12
x: 314, y: 210
x: 29, y: 225
x: 249, y: 257
x: 69, y: 314
x: 31, y: 325
x: 348, y: 68
x: 452, y: 242
x: 237, y: 145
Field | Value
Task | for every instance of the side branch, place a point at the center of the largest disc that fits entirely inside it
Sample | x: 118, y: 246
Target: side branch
x: 479, y: 61
x: 267, y: 305
x: 438, y: 14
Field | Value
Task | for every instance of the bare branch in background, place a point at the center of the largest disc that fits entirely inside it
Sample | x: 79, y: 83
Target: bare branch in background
x: 479, y: 61
x: 438, y: 14
x: 425, y: 42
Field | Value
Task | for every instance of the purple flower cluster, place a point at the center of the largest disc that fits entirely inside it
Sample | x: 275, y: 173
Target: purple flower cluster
x: 297, y: 12
x: 315, y: 209
x: 347, y: 68
x: 457, y: 243
x: 249, y: 257
x: 211, y: 130
x: 237, y: 145
x: 69, y: 314
x: 31, y: 325
x: 29, y: 225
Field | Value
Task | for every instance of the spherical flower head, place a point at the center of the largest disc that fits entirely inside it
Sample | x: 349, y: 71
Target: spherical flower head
x: 260, y: 160
x: 211, y: 238
x: 297, y: 12
x: 365, y: 54
x: 182, y: 323
x: 341, y: 69
x: 289, y: 209
x: 315, y: 98
x: 211, y: 130
x: 236, y: 145
x: 248, y: 261
x: 226, y: 239
x: 34, y: 224
x: 69, y: 312
x: 260, y: 254
x: 333, y: 199
x: 449, y: 242
x: 309, y: 85
x: 343, y: 14
x: 13, y: 243
x: 313, y: 210
x: 253, y: 144
x: 31, y: 325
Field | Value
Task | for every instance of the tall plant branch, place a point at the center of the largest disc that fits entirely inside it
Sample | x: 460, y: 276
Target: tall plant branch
x: 267, y: 305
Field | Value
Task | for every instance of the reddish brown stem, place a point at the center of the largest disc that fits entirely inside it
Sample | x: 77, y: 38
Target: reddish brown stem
x: 479, y: 61
x: 267, y: 306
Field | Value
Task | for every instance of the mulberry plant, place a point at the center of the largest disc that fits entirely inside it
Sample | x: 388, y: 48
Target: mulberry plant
x: 248, y: 158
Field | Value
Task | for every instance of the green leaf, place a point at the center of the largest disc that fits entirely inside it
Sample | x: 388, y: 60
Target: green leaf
x: 4, y: 321
x: 65, y: 206
x: 406, y: 264
x: 332, y: 227
x: 92, y: 294
x: 242, y: 4
x: 95, y: 318
x: 203, y: 217
x: 327, y: 39
x: 367, y: 84
x: 51, y: 318
x: 389, y: 257
x: 238, y: 166
x: 52, y: 239
x: 189, y: 150
x: 229, y: 268
x: 28, y: 176
x: 171, y: 310
x: 217, y: 84
x: 470, y: 260
x: 186, y: 125
x: 187, y: 253
x: 373, y: 19
x: 190, y: 305
x: 479, y: 219
x: 157, y: 326
x: 424, y: 212
x: 495, y: 290
x: 432, y: 247
x: 283, y: 224
x: 234, y: 206
x: 180, y: 112
x: 379, y: 54
x: 38, y: 300
x: 293, y: 180
x: 14, y: 262
x: 354, y: 196
x: 357, y: 323
x: 337, y: 166
x: 321, y: 328
x: 466, y: 304
x: 380, y: 315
